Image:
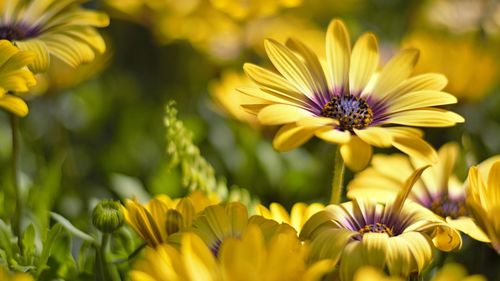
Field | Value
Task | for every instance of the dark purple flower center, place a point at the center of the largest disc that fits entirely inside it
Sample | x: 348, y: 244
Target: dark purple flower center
x: 352, y: 112
x: 17, y: 32
x: 446, y: 207
x: 215, y: 247
x: 376, y: 228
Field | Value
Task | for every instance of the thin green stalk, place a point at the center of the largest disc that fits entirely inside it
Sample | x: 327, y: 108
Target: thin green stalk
x: 338, y: 177
x: 14, y: 123
x: 101, y: 263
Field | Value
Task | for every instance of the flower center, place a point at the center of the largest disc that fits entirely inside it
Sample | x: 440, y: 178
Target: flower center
x: 351, y: 111
x: 446, y: 207
x: 16, y: 32
x: 376, y: 228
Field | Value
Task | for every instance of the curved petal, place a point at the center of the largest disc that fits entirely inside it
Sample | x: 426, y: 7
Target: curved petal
x: 277, y: 114
x: 328, y: 133
x: 469, y: 227
x: 338, y: 52
x: 425, y: 117
x: 42, y: 58
x: 415, y: 147
x: 14, y: 104
x: 364, y: 62
x: 376, y: 136
x: 315, y: 122
x: 426, y: 81
x: 356, y: 153
x: 419, y: 99
x: 291, y: 136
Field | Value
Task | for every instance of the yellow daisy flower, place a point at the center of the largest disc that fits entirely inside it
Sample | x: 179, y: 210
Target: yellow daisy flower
x: 14, y: 77
x: 299, y: 214
x: 251, y: 257
x: 53, y: 27
x: 163, y: 216
x: 439, y: 190
x: 399, y: 235
x: 346, y: 101
x: 483, y: 199
x: 6, y: 276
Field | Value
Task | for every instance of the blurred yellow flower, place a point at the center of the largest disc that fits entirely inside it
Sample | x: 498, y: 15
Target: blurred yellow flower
x: 226, y: 97
x: 14, y: 77
x: 398, y: 236
x: 347, y: 101
x: 163, y: 216
x: 439, y: 190
x: 368, y: 273
x: 299, y: 214
x: 243, y: 9
x: 246, y: 258
x: 483, y: 199
x: 49, y: 27
x: 6, y: 276
x: 471, y: 69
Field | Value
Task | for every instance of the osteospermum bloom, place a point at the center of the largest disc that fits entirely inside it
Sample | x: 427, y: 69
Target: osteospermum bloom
x: 163, y: 216
x: 253, y: 256
x: 52, y: 27
x: 439, y: 190
x: 298, y: 215
x: 399, y: 235
x: 349, y: 101
x: 483, y: 199
x: 14, y: 77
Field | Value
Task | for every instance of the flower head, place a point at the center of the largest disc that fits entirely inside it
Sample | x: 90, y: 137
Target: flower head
x: 107, y: 216
x: 347, y: 100
x: 483, y: 199
x: 14, y: 77
x: 163, y: 216
x: 49, y: 27
x: 439, y: 190
x: 298, y: 215
x: 398, y: 235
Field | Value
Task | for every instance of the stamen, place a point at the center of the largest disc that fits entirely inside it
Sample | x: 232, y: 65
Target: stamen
x: 446, y: 207
x: 376, y: 228
x: 352, y: 112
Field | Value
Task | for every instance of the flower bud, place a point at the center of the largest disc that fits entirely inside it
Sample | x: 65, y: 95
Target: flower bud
x: 107, y: 216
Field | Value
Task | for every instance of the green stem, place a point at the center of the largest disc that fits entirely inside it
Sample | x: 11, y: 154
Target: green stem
x: 338, y: 177
x: 14, y: 123
x: 102, y: 270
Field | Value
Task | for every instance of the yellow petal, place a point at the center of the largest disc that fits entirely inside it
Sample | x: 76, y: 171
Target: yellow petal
x: 376, y: 136
x: 415, y: 147
x: 469, y: 227
x: 315, y: 122
x: 328, y: 133
x: 14, y: 104
x: 420, y: 99
x: 427, y: 117
x: 364, y: 62
x: 427, y: 81
x: 447, y: 239
x: 338, y: 53
x: 278, y: 114
x: 291, y: 136
x: 356, y: 153
x: 42, y: 59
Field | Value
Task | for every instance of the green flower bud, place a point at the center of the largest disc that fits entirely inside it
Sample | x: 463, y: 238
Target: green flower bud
x: 107, y: 216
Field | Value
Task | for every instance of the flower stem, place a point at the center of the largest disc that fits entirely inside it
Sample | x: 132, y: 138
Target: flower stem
x: 14, y: 124
x: 338, y: 177
x: 101, y: 262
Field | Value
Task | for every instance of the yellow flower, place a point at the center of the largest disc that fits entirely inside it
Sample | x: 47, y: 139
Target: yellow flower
x: 163, y: 216
x: 483, y: 199
x: 53, y: 28
x: 347, y: 101
x: 471, y: 69
x: 6, y: 276
x: 228, y: 99
x: 398, y: 236
x: 14, y: 77
x: 241, y: 10
x: 368, y: 273
x: 439, y: 190
x: 299, y: 214
x: 249, y: 257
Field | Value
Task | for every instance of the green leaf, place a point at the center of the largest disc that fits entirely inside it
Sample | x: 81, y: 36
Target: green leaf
x: 28, y: 243
x: 47, y: 248
x: 71, y: 228
x: 7, y: 241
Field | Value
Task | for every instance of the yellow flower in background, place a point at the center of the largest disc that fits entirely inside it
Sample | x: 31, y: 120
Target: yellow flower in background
x: 250, y: 257
x: 6, y: 276
x: 348, y: 102
x: 298, y: 215
x: 53, y: 28
x: 369, y: 273
x: 399, y: 235
x: 483, y: 199
x: 14, y: 77
x: 227, y: 98
x: 163, y: 216
x: 439, y: 190
x: 243, y: 9
x: 471, y: 69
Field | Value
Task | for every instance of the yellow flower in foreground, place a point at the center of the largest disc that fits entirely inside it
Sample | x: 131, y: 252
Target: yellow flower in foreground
x: 369, y: 273
x: 163, y: 216
x: 399, y: 235
x: 247, y: 258
x: 14, y: 77
x: 483, y: 200
x: 53, y: 27
x: 438, y: 189
x: 348, y: 102
x: 299, y: 214
x: 471, y: 69
x: 6, y: 276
